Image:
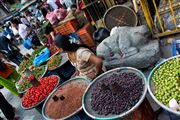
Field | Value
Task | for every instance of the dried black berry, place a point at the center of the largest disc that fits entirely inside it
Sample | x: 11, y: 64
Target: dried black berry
x: 116, y: 93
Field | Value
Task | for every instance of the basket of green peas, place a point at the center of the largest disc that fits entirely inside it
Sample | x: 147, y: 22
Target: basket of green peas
x: 164, y: 84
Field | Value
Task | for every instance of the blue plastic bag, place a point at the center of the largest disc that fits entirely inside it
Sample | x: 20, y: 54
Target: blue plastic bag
x: 27, y: 44
x: 42, y: 57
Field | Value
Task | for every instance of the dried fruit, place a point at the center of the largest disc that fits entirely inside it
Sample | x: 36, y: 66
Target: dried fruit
x: 116, y: 93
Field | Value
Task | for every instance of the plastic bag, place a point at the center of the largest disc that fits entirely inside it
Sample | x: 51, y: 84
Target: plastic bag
x: 27, y: 44
x: 42, y: 57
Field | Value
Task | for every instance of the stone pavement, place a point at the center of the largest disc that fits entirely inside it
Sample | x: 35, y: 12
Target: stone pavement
x: 16, y: 101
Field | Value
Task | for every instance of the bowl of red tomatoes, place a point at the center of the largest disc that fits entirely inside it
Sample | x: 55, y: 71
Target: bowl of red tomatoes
x: 36, y: 95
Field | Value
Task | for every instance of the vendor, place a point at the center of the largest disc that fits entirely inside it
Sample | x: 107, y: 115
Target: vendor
x: 8, y: 76
x: 85, y: 61
x: 49, y: 34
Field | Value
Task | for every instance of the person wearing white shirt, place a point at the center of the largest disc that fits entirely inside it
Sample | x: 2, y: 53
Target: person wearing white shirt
x: 68, y: 3
x: 52, y: 3
x: 25, y: 32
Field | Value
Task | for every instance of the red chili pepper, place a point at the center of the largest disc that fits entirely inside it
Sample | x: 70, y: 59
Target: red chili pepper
x: 31, y: 78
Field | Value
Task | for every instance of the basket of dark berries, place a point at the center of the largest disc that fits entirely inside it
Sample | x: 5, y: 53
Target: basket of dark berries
x: 115, y: 94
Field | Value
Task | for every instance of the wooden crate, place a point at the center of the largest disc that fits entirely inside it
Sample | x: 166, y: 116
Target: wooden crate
x: 86, y: 35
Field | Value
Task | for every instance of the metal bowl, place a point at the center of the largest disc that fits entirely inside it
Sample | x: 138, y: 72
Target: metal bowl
x: 64, y: 59
x: 120, y: 15
x: 86, y: 98
x: 49, y: 97
x: 43, y: 99
x: 151, y: 87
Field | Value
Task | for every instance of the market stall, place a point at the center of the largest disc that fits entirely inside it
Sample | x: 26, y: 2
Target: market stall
x: 47, y: 85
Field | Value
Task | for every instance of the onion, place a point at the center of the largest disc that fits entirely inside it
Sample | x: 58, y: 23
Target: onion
x: 173, y: 104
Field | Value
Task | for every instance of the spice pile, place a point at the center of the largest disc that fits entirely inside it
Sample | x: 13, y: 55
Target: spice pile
x: 35, y: 95
x: 66, y: 100
x: 116, y: 93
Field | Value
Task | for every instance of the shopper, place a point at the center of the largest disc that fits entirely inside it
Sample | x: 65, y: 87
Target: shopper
x: 50, y: 35
x: 8, y: 76
x: 25, y: 32
x: 68, y: 3
x: 7, y: 109
x: 53, y: 4
x: 7, y: 49
x: 81, y: 57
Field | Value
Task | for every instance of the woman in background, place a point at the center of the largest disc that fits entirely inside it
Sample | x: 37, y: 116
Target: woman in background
x: 81, y: 57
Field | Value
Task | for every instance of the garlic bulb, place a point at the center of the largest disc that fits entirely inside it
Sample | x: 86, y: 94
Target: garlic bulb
x: 173, y: 104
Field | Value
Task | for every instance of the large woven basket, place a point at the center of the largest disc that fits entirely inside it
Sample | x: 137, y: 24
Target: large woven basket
x: 120, y: 15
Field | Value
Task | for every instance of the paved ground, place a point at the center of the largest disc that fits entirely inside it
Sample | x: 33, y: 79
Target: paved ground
x: 15, y: 101
x: 34, y: 115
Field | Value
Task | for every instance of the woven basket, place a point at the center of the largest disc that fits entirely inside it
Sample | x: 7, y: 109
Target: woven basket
x: 120, y: 15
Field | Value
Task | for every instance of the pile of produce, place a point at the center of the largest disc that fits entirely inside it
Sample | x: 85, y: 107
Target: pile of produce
x: 35, y: 95
x: 116, y: 93
x: 54, y: 62
x: 38, y: 71
x: 166, y: 81
x: 66, y: 100
x: 53, y: 49
x: 26, y: 63
x: 24, y: 83
x: 36, y: 52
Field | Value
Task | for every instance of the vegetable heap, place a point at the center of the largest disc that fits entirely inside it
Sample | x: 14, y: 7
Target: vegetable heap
x: 166, y: 80
x: 24, y: 64
x: 54, y: 62
x: 27, y: 63
x: 24, y: 83
x: 38, y: 71
x: 35, y: 95
x: 53, y: 49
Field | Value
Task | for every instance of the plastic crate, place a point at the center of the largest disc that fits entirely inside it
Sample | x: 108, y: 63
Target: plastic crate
x: 86, y: 35
x: 67, y: 27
